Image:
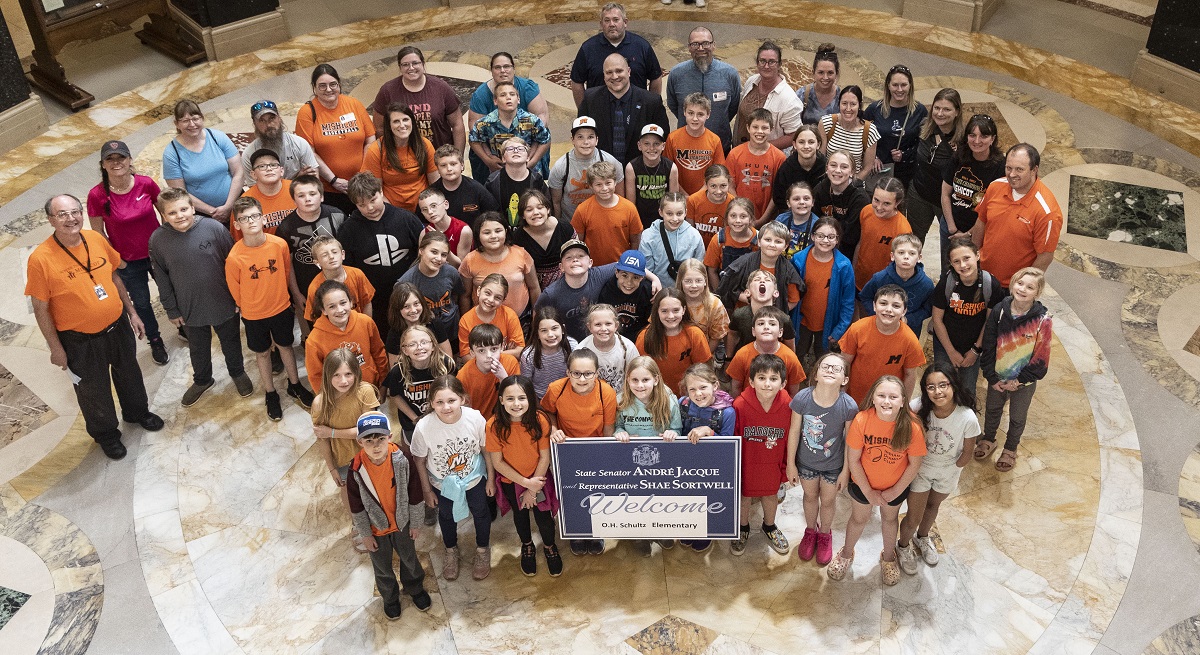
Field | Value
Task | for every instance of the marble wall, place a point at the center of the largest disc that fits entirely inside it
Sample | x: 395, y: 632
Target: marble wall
x: 1175, y: 35
x: 13, y: 88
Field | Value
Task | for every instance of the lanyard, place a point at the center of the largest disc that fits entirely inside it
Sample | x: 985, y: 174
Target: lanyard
x: 87, y: 269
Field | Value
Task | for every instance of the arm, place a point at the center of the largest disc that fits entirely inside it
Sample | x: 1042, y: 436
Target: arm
x: 483, y: 152
x: 298, y: 297
x: 466, y: 241
x: 539, y: 107
x: 97, y: 224
x: 404, y: 408
x: 533, y: 285
x: 655, y: 87
x: 235, y: 188
x: 556, y: 195
x: 673, y: 180
x: 426, y: 486
x: 630, y: 183
x: 1043, y: 260
x: 978, y: 230
x: 910, y: 382
x: 577, y: 93
x: 535, y: 158
x: 41, y: 312
x: 458, y: 131
x: 943, y: 337
x: 948, y: 209
x: 793, y: 443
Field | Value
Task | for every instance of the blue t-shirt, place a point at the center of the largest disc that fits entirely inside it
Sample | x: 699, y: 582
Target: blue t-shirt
x: 205, y: 174
x: 484, y: 102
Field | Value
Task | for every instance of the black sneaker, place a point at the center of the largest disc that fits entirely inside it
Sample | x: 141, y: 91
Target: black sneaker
x: 392, y: 612
x: 579, y: 547
x: 596, y: 547
x: 528, y: 559
x: 422, y: 601
x: 276, y: 362
x: 275, y: 412
x: 553, y: 560
x: 301, y: 394
x: 193, y: 393
x: 158, y: 351
x: 114, y: 449
x: 151, y: 422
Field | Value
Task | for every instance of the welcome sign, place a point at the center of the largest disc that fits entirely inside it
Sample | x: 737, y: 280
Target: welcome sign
x: 648, y: 488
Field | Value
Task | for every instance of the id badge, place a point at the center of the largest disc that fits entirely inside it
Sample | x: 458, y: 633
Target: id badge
x: 101, y: 294
x: 720, y: 96
x: 346, y: 118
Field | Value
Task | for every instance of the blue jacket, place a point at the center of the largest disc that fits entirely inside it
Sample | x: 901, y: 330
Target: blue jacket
x: 918, y: 287
x: 839, y: 307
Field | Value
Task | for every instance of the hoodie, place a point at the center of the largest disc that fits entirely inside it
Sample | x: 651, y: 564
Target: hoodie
x: 360, y: 335
x: 719, y: 415
x: 839, y: 305
x: 918, y: 287
x: 1016, y: 347
x: 733, y: 279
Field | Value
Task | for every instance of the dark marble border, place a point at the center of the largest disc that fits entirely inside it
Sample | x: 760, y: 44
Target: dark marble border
x: 1112, y: 11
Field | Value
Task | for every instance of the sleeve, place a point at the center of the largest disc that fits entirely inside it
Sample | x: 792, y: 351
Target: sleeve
x: 452, y: 103
x: 650, y: 60
x: 492, y: 441
x: 418, y: 447
x: 308, y: 157
x: 464, y: 334
x: 172, y: 170
x: 913, y: 127
x: 938, y: 297
x: 854, y: 436
x: 981, y: 210
x: 718, y: 319
x: 510, y: 365
x: 872, y: 135
x: 377, y: 352
x: 673, y: 105
x: 676, y: 417
x: 987, y: 358
x: 849, y: 341
x: 477, y: 99
x: 558, y: 173
x: 916, y: 355
x: 866, y: 297
x: 541, y: 133
x: 227, y: 148
x: 232, y: 280
x: 358, y: 513
x: 549, y: 402
x: 790, y: 118
x: 1047, y: 228
x: 737, y: 369
x: 313, y: 363
x: 916, y: 445
x: 416, y: 496
x: 658, y: 114
x: 712, y: 256
x: 728, y: 421
x: 95, y: 202
x: 718, y: 150
x: 735, y: 94
x: 474, y: 135
x: 162, y: 278
x: 632, y: 219
x: 364, y: 119
x: 846, y: 310
x: 579, y: 72
x: 1039, y: 363
x: 305, y: 124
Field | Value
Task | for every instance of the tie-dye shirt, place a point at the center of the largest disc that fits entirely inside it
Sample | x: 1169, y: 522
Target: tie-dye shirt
x: 1016, y: 347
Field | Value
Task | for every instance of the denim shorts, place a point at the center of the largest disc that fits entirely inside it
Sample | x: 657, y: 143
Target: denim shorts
x: 829, y: 477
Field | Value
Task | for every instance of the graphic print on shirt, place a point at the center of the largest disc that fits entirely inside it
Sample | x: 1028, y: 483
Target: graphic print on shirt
x: 347, y: 124
x: 390, y: 253
x: 964, y: 308
x: 651, y: 187
x: 694, y: 159
x: 813, y: 433
x: 424, y: 114
x: 879, y: 449
x: 455, y: 457
x: 755, y: 175
x: 768, y: 436
x: 938, y: 441
x: 353, y: 347
x: 440, y: 307
x: 255, y: 270
x: 302, y: 243
x: 967, y: 190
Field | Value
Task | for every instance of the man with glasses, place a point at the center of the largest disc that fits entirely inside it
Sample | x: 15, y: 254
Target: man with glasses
x: 712, y: 78
x: 432, y: 100
x: 621, y: 110
x: 295, y: 154
x: 587, y: 72
x: 89, y: 323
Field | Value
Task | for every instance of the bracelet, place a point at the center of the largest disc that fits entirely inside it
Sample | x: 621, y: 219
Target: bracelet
x: 333, y: 181
x: 976, y: 349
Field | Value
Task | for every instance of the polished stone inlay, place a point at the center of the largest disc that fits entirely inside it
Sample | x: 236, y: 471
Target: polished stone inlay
x: 11, y: 601
x: 1130, y: 213
x: 21, y: 412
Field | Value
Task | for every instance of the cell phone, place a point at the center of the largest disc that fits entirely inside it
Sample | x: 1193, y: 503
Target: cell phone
x: 541, y: 496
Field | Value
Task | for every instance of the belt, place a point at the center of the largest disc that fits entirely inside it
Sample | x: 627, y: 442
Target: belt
x: 87, y: 335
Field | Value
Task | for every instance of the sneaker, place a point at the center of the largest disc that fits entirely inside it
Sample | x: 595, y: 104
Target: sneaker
x: 301, y: 394
x: 824, y: 547
x: 700, y: 4
x: 928, y: 551
x: 243, y: 385
x: 151, y: 422
x: 808, y: 545
x: 702, y: 545
x: 114, y: 449
x: 274, y: 410
x: 528, y: 559
x: 596, y: 547
x: 778, y: 541
x: 643, y: 547
x: 667, y: 544
x: 579, y: 547
x: 554, y: 562
x: 158, y: 351
x: 483, y: 563
x: 422, y: 601
x: 738, y: 546
x: 430, y: 515
x: 276, y: 362
x: 907, y: 558
x: 838, y: 566
x: 889, y: 571
x: 194, y: 392
x: 392, y: 612
x: 450, y: 567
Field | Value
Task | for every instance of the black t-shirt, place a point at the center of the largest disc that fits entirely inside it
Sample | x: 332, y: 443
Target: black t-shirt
x: 846, y: 207
x: 300, y: 234
x: 415, y: 392
x: 383, y: 249
x: 545, y: 260
x: 968, y: 182
x: 932, y: 161
x: 507, y: 193
x: 468, y: 201
x: 633, y: 309
x: 791, y: 172
x: 651, y: 185
x: 966, y: 311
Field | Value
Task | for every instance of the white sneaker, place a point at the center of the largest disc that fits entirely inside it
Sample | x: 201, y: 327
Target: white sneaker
x: 929, y: 552
x: 908, y: 558
x: 666, y: 2
x: 700, y: 4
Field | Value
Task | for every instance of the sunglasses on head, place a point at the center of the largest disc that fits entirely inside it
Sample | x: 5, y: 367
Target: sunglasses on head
x: 265, y: 104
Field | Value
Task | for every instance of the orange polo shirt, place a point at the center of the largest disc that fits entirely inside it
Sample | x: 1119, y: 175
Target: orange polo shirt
x: 1017, y: 230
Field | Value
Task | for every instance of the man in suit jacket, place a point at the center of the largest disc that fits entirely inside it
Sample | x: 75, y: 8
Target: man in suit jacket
x: 621, y: 110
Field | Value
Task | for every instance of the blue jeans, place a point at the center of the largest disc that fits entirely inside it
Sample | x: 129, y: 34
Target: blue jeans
x: 136, y: 276
x: 967, y: 375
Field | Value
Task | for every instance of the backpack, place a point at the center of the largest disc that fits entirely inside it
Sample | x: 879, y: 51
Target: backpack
x: 865, y: 133
x: 985, y: 283
x: 730, y: 254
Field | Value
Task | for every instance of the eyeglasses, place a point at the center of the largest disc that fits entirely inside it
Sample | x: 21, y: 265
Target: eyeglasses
x: 696, y: 45
x: 265, y: 104
x: 417, y: 344
x: 68, y: 213
x: 516, y: 149
x: 583, y: 375
x: 768, y: 62
x: 831, y: 368
x: 267, y: 167
x: 824, y: 237
x: 328, y: 87
x: 411, y: 64
x: 940, y: 386
x: 249, y: 218
x: 502, y: 67
x: 190, y: 119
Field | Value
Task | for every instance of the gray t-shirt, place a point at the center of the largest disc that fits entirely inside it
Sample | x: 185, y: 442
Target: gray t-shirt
x: 822, y: 430
x: 572, y: 304
x: 189, y: 269
x: 568, y: 175
x: 441, y: 293
x: 613, y: 362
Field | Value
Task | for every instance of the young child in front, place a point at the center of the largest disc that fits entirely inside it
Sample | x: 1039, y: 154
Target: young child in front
x: 671, y: 240
x: 650, y: 176
x: 738, y: 237
x: 588, y: 409
x: 772, y: 240
x: 907, y: 272
x: 671, y: 339
x: 330, y: 257
x: 490, y: 308
x: 827, y: 308
x: 435, y: 209
x: 545, y: 359
x: 608, y: 223
x: 440, y: 285
x: 256, y: 272
x: 755, y: 164
x: 882, y: 344
x: 768, y: 330
x: 343, y: 397
x: 387, y: 523
x: 518, y: 443
x: 407, y: 383
x: 406, y: 308
x: 1016, y: 354
x: 337, y: 325
x: 613, y: 351
x: 270, y: 189
x: 763, y: 419
x: 816, y: 451
x: 487, y: 367
x: 694, y: 147
x: 705, y: 411
x: 456, y: 478
x: 706, y: 208
x: 705, y: 308
x: 799, y: 219
x: 879, y: 223
x: 762, y: 292
x: 884, y: 448
x: 628, y: 291
x: 947, y: 412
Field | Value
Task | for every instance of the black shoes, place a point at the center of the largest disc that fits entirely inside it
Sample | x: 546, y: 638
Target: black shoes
x: 554, y: 562
x: 158, y: 351
x: 114, y: 449
x: 275, y: 413
x: 528, y: 559
x: 422, y: 601
x: 301, y: 394
x: 150, y: 423
x: 392, y: 612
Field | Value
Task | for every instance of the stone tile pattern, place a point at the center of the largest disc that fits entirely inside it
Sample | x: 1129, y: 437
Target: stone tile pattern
x: 1183, y: 638
x: 1131, y: 213
x: 21, y: 411
x: 1004, y: 133
x: 11, y: 602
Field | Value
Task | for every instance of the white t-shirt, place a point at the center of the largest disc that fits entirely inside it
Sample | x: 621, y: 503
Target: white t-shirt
x: 451, y: 449
x: 569, y: 175
x: 944, y: 436
x: 613, y: 362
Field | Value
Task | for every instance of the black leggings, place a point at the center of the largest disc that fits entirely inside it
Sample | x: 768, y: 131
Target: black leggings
x: 545, y: 521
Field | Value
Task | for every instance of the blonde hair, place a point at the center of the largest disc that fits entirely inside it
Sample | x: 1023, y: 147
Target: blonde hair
x: 692, y: 265
x: 906, y: 239
x: 704, y: 371
x: 775, y: 229
x: 660, y: 404
x: 437, y: 360
x: 1036, y: 273
x: 328, y: 396
x: 902, y: 432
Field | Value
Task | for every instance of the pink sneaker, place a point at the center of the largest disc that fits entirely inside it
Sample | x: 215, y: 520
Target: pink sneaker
x: 824, y: 547
x: 808, y: 545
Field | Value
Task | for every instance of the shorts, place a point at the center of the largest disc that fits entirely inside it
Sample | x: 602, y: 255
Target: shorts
x: 278, y: 328
x: 829, y: 477
x: 942, y: 479
x: 859, y: 498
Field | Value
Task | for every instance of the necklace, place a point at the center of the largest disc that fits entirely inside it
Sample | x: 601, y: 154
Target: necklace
x: 127, y: 189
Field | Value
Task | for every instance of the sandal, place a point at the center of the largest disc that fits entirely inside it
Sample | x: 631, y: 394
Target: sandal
x: 890, y: 571
x: 838, y: 566
x: 1006, y: 461
x: 984, y: 448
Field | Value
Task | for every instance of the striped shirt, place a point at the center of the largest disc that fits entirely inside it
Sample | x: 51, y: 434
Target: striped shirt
x: 848, y: 140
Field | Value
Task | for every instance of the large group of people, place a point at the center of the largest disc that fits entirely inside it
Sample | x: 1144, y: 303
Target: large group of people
x: 754, y: 272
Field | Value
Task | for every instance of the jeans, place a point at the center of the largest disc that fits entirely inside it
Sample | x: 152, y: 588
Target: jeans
x: 412, y: 576
x: 545, y: 521
x: 967, y: 375
x: 200, y: 348
x: 920, y: 213
x: 104, y: 361
x: 136, y: 276
x: 1018, y: 410
x: 477, y: 501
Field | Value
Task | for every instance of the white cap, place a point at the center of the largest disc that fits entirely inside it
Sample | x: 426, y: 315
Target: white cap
x: 582, y: 121
x: 655, y: 130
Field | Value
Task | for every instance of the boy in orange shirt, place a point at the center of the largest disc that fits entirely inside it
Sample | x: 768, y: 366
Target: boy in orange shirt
x: 337, y: 325
x: 882, y: 344
x: 754, y: 165
x: 273, y: 193
x: 879, y: 224
x: 257, y: 274
x: 607, y: 222
x: 768, y: 334
x: 694, y: 147
x: 482, y: 375
x: 329, y: 255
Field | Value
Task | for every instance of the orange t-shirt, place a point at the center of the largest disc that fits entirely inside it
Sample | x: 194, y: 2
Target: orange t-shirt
x: 693, y: 155
x: 400, y: 188
x: 514, y: 267
x: 739, y: 367
x: 793, y: 291
x: 715, y: 253
x: 383, y: 478
x: 258, y: 277
x: 688, y: 347
x: 875, y: 245
x: 815, y: 303
x: 274, y: 208
x: 361, y: 336
x: 584, y: 416
x: 753, y: 174
x: 506, y: 319
x: 337, y: 135
x: 481, y: 387
x: 877, y: 354
x: 55, y: 278
x: 361, y: 290
x: 884, y: 467
x: 608, y: 231
x: 706, y: 215
x: 520, y: 450
x: 1017, y: 231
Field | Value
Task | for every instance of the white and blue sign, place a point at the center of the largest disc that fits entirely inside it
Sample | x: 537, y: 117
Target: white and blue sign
x: 648, y: 488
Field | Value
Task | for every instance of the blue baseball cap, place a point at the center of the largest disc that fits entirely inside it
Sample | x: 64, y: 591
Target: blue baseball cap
x: 373, y: 423
x: 632, y: 261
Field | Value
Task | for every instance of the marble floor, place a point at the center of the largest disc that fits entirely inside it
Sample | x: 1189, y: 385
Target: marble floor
x: 221, y: 534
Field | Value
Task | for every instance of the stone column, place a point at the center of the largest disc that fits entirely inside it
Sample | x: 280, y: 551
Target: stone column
x: 229, y: 28
x: 1170, y: 63
x: 965, y: 15
x: 22, y: 115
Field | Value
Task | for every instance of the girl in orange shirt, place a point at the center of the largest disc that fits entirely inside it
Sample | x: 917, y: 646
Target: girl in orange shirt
x: 884, y: 448
x: 706, y: 207
x: 879, y: 224
x: 518, y: 442
x: 671, y: 339
x: 337, y: 324
x: 402, y: 159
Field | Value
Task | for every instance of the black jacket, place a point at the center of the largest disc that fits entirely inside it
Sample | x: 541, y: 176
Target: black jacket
x: 645, y: 108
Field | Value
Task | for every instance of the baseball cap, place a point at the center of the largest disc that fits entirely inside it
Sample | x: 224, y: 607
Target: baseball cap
x: 373, y: 423
x: 263, y: 107
x: 110, y: 147
x: 573, y: 243
x: 632, y: 261
x: 655, y: 130
x: 582, y: 121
